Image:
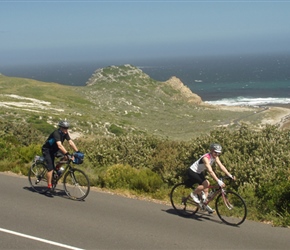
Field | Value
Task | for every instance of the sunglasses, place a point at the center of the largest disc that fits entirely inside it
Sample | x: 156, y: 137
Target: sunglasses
x: 218, y: 153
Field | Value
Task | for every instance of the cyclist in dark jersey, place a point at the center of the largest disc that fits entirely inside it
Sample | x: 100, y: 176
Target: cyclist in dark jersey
x: 54, y: 144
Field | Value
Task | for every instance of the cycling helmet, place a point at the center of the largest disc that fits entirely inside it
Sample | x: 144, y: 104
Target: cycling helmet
x: 63, y: 124
x: 216, y: 147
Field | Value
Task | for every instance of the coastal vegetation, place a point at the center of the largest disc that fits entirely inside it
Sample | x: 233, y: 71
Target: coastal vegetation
x: 139, y: 136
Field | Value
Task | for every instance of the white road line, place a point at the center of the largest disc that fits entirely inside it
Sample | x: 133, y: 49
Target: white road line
x: 39, y: 239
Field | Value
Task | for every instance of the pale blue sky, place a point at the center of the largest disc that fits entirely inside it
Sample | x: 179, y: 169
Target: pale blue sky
x: 68, y: 31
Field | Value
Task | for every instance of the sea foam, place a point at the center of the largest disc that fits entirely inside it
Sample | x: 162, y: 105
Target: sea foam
x: 249, y: 101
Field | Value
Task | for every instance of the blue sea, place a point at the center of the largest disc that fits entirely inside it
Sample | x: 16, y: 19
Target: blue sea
x: 236, y: 80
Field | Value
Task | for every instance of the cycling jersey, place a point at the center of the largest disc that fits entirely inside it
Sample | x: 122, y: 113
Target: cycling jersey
x: 199, y: 166
x: 55, y: 136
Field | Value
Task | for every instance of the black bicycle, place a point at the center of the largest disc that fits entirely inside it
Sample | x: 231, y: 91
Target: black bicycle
x: 230, y: 206
x: 75, y: 181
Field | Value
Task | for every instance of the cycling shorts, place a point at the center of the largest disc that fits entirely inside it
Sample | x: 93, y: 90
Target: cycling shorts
x: 49, y: 158
x: 195, y: 177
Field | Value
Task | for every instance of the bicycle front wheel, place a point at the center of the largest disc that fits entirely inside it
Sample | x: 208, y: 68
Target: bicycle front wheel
x: 181, y: 200
x: 76, y: 184
x: 37, y: 177
x: 231, y: 208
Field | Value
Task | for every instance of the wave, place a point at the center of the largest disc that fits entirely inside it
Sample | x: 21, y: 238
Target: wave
x: 249, y: 101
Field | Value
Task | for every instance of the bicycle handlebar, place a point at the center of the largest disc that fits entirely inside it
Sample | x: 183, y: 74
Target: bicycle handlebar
x: 225, y: 177
x: 222, y: 178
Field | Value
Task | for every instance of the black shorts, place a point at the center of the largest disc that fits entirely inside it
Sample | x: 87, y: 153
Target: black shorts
x: 195, y: 177
x: 49, y: 158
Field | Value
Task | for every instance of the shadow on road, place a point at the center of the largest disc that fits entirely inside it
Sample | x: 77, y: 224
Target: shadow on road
x: 199, y: 216
x: 56, y: 193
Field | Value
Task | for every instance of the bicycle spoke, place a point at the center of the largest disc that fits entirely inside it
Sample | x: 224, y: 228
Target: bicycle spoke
x: 227, y: 203
x: 37, y: 177
x: 76, y: 184
x: 181, y: 200
x: 231, y: 208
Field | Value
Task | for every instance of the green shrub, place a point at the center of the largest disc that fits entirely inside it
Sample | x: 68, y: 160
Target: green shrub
x: 27, y: 153
x: 116, y: 130
x: 146, y: 181
x: 119, y: 176
x: 126, y: 177
x: 13, y: 166
x: 5, y: 149
x: 134, y: 150
x: 169, y: 160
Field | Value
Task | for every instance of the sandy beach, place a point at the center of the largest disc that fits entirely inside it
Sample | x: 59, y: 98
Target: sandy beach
x: 283, y: 118
x: 279, y: 113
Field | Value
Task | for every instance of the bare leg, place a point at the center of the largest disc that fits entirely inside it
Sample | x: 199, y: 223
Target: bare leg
x: 203, y: 187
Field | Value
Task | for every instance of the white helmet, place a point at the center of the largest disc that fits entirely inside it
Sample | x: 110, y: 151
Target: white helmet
x: 216, y: 147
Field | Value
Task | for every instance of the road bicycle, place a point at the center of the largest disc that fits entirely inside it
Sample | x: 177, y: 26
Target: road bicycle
x: 230, y: 206
x: 75, y: 181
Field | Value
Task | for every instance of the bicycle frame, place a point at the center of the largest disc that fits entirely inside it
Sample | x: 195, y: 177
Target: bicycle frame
x: 68, y: 166
x: 217, y: 191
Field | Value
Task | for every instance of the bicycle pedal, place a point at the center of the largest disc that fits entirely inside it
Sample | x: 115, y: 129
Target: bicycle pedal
x: 201, y: 206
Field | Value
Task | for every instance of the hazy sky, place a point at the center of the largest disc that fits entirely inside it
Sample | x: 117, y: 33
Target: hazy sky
x: 61, y: 31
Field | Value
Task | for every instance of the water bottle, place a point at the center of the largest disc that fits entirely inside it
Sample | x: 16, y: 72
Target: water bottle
x: 60, y: 171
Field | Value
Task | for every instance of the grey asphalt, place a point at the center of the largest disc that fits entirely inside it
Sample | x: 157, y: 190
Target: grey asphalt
x: 29, y: 220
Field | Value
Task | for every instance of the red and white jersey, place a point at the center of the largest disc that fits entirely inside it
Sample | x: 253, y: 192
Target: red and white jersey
x: 199, y: 166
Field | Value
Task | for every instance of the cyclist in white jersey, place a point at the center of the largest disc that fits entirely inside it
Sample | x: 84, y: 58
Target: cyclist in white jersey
x: 196, y: 175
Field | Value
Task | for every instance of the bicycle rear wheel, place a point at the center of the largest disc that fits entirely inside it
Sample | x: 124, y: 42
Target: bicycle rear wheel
x: 181, y: 200
x: 231, y: 208
x: 37, y: 177
x: 76, y: 184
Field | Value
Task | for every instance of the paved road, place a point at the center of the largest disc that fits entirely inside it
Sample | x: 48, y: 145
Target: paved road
x: 105, y: 221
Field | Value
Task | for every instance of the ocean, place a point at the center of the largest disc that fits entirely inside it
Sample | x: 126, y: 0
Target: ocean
x: 236, y: 80
x: 251, y: 80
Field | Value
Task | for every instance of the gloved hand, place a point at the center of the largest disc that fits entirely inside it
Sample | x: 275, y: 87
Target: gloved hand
x: 221, y: 184
x: 68, y: 156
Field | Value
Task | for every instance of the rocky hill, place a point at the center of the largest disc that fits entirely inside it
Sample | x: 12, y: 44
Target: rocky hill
x: 130, y: 76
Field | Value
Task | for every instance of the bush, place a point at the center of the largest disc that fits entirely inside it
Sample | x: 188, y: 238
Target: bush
x: 169, y: 160
x: 119, y: 176
x: 27, y: 153
x: 146, y: 181
x: 126, y: 177
x: 116, y: 130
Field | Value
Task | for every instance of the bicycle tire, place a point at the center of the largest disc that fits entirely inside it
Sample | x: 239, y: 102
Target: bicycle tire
x: 232, y: 210
x: 76, y: 184
x: 37, y: 177
x: 181, y: 200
